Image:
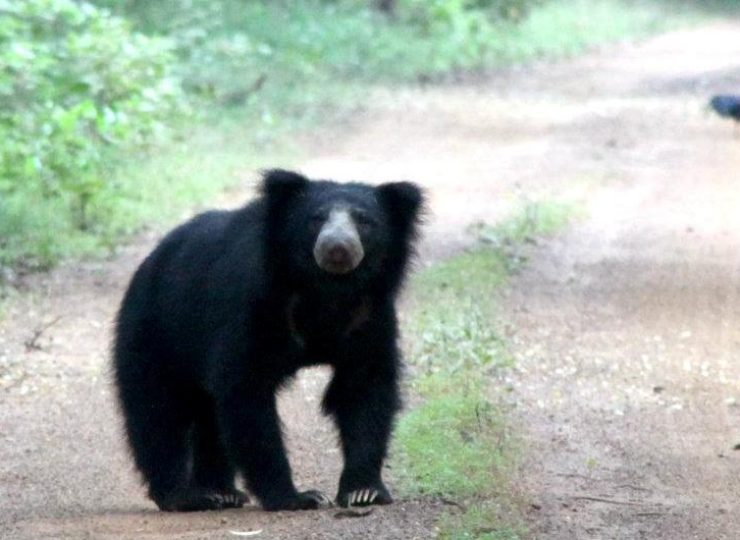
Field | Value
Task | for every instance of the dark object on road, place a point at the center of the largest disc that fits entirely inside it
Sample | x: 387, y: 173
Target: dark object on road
x: 231, y: 305
x: 350, y: 513
x: 726, y: 106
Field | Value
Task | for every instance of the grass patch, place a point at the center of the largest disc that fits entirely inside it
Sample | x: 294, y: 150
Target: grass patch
x: 457, y: 443
x: 186, y: 175
x: 475, y: 523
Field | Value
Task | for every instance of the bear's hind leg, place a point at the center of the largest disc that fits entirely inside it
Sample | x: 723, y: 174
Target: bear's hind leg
x: 159, y: 421
x: 212, y: 468
x: 158, y: 426
x: 172, y: 444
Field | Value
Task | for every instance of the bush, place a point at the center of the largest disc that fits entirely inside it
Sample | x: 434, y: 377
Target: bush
x: 218, y: 43
x: 77, y: 86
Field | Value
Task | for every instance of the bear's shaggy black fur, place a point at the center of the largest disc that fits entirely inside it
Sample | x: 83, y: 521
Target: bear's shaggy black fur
x: 228, y: 307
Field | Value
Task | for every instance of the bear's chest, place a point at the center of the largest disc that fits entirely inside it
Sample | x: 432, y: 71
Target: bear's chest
x: 321, y: 331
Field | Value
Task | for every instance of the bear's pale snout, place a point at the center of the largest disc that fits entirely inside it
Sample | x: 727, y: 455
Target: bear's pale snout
x: 338, y: 247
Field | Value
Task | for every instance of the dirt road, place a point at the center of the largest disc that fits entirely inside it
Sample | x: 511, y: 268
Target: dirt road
x: 626, y: 328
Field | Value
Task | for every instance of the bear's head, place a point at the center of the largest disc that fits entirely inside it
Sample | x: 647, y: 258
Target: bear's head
x: 324, y: 231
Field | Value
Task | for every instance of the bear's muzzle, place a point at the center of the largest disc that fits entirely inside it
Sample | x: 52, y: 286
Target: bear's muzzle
x: 338, y: 248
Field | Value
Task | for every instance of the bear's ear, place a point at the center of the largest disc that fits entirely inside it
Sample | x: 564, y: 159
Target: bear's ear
x: 278, y: 184
x: 404, y: 202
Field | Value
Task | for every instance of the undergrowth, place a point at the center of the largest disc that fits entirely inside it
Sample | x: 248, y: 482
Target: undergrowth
x: 457, y: 443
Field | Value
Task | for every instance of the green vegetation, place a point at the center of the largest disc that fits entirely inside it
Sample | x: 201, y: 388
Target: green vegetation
x: 117, y: 113
x: 75, y: 82
x: 456, y: 443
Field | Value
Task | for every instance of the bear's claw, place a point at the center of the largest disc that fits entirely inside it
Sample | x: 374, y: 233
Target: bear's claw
x: 364, y: 497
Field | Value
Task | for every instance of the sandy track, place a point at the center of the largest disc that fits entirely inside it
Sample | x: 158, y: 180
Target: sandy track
x: 627, y: 327
x: 649, y: 280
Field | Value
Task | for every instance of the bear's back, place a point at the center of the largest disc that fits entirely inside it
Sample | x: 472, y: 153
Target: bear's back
x: 201, y: 275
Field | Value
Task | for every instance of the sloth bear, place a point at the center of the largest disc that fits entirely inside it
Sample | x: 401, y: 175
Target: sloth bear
x: 225, y: 311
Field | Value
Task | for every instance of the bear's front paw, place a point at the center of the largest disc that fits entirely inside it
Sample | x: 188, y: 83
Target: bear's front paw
x: 305, y: 500
x: 377, y: 494
x: 198, y: 500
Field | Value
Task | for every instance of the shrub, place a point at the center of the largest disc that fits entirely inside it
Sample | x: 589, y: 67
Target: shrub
x: 77, y: 86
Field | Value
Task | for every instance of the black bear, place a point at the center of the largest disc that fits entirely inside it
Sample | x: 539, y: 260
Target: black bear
x: 230, y: 305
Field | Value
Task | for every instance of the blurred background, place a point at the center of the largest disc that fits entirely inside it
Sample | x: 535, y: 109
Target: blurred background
x: 107, y: 104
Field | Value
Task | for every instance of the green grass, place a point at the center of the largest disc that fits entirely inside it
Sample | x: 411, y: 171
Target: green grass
x: 476, y: 523
x: 457, y: 442
x: 186, y: 175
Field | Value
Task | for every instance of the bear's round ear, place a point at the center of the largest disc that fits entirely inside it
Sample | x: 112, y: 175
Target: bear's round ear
x: 402, y: 200
x: 279, y: 184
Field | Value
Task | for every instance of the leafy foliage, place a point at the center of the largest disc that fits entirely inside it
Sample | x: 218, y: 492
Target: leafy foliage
x: 75, y: 82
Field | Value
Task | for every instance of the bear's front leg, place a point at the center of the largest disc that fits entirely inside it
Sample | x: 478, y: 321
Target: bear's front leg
x: 363, y: 406
x: 251, y: 427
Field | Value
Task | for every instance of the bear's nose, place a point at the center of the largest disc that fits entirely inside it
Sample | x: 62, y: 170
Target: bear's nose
x: 338, y: 248
x: 339, y: 255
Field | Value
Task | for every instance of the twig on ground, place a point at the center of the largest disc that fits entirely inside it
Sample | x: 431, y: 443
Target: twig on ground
x: 32, y: 343
x: 632, y: 487
x: 353, y: 513
x: 605, y: 500
x: 450, y: 502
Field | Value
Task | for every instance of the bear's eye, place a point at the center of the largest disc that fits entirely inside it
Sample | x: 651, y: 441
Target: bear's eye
x: 315, y: 221
x: 364, y: 221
